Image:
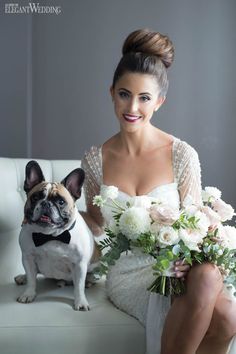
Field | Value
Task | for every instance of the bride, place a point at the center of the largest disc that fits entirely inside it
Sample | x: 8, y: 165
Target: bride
x: 142, y: 160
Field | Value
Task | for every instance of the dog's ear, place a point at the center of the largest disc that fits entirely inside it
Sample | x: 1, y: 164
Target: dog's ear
x: 33, y: 175
x: 74, y: 181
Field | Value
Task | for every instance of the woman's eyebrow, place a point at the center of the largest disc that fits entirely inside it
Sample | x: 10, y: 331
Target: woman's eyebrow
x: 141, y: 93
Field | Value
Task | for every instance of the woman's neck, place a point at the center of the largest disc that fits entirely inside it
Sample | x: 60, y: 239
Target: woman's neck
x: 140, y: 141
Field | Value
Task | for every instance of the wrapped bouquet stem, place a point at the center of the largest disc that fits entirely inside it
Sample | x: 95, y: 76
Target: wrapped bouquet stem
x: 193, y: 234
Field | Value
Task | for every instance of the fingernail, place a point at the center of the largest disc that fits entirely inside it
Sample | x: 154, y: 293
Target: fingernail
x: 176, y: 269
x: 177, y: 262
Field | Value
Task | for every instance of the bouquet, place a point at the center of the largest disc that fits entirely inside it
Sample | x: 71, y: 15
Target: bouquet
x: 194, y: 234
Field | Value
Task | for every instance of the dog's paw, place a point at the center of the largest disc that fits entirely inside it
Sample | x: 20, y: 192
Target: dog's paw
x: 81, y: 306
x: 21, y: 279
x: 26, y: 297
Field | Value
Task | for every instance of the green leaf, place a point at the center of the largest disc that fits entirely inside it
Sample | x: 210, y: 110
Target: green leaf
x: 165, y: 263
x: 169, y: 255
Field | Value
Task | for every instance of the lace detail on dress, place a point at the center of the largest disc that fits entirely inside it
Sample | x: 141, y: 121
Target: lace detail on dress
x: 188, y: 172
x: 92, y: 166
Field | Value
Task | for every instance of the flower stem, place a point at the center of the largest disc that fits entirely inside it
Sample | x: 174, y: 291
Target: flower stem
x: 163, y: 285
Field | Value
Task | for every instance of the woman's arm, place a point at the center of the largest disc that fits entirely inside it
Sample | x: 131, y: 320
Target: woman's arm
x: 93, y: 220
x: 189, y: 183
x: 189, y: 174
x: 91, y: 187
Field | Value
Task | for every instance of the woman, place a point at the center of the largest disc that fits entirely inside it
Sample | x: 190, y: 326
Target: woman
x: 144, y: 160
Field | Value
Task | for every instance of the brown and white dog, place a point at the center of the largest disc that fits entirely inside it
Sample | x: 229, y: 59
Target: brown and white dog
x: 55, y: 240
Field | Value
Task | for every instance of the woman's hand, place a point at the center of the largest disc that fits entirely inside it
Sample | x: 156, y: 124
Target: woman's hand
x: 181, y: 269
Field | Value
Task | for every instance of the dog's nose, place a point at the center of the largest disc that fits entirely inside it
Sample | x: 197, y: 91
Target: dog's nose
x: 45, y: 204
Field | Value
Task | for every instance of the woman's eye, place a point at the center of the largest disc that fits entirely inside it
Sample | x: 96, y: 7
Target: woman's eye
x: 123, y: 94
x: 145, y: 98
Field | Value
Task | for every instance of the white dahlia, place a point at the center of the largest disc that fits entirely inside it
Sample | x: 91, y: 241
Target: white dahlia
x: 210, y: 192
x: 134, y: 221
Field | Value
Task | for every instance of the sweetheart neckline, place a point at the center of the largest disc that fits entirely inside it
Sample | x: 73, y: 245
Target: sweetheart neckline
x: 143, y: 195
x: 175, y: 139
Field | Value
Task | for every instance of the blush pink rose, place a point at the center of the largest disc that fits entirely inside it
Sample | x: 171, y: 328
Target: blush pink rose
x: 213, y: 217
x: 164, y: 214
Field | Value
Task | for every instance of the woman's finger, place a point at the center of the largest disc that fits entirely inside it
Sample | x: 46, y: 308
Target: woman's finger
x: 181, y: 274
x: 182, y: 268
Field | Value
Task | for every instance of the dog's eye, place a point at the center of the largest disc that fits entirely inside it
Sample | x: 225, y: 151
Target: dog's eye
x: 35, y: 197
x: 61, y: 201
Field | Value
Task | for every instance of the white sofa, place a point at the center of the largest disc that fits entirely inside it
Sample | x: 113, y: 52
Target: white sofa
x: 49, y: 325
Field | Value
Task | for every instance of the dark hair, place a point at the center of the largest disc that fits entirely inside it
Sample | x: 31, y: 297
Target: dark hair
x: 146, y: 52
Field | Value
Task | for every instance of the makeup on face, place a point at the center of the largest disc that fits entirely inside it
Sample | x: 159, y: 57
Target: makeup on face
x: 135, y: 98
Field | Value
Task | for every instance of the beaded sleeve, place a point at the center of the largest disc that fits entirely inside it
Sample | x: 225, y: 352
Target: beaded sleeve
x: 188, y: 172
x: 92, y: 166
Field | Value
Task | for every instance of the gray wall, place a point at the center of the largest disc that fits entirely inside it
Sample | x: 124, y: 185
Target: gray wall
x: 56, y: 72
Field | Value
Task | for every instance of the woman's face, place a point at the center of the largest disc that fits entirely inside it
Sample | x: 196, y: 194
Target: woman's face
x: 136, y: 97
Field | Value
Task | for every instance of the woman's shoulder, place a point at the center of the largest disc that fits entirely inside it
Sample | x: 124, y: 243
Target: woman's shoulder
x: 91, y: 162
x: 183, y: 149
x: 95, y: 152
x: 186, y: 159
x: 92, y: 153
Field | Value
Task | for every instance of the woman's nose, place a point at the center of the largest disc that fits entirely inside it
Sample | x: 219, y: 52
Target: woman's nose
x: 133, y: 105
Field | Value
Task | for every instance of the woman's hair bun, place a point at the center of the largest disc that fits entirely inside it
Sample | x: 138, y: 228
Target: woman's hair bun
x: 150, y: 43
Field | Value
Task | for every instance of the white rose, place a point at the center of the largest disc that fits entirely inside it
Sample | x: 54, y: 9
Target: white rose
x: 191, y: 239
x: 109, y: 192
x: 134, y: 221
x: 211, y: 192
x: 225, y: 211
x: 168, y: 236
x: 164, y: 214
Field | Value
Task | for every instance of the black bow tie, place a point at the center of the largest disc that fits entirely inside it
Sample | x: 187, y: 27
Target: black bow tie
x: 40, y: 239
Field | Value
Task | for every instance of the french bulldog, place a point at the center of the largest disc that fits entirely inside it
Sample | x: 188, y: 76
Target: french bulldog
x: 54, y: 239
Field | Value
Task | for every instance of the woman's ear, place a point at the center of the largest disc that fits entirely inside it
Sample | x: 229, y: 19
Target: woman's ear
x: 160, y: 102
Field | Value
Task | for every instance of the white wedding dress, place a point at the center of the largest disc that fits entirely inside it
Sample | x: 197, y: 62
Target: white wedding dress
x: 129, y: 278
